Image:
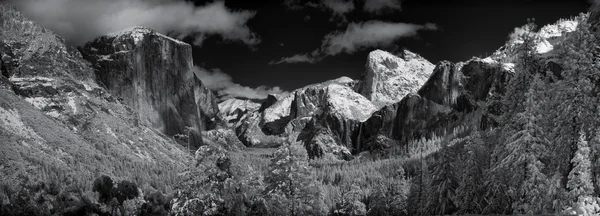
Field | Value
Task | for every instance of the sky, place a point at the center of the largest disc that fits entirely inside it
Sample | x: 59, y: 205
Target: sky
x: 252, y: 48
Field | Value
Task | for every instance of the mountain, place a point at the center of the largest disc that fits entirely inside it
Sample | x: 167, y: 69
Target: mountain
x: 153, y: 75
x: 61, y: 115
x: 458, y: 94
x: 287, y: 115
x: 388, y: 78
x: 233, y: 110
x: 326, y: 116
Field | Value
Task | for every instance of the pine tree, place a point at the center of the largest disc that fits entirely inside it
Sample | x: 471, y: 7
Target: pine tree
x: 580, y: 178
x: 444, y: 184
x: 595, y: 158
x: 526, y: 67
x: 469, y: 194
x: 525, y: 150
x: 291, y: 188
x: 577, y: 93
x: 419, y: 191
x: 390, y: 198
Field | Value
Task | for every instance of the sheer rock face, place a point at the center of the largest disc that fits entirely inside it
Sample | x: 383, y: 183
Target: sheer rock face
x: 53, y: 110
x: 449, y: 98
x: 330, y: 133
x: 389, y: 78
x: 152, y: 74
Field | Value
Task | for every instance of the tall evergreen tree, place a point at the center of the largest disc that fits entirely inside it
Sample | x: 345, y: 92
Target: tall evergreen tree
x: 577, y: 93
x: 469, y: 194
x: 419, y: 191
x: 525, y: 149
x: 580, y: 178
x: 291, y: 188
x: 444, y: 184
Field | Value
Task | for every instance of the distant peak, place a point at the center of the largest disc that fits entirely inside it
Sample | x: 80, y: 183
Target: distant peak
x: 138, y: 33
x: 406, y: 55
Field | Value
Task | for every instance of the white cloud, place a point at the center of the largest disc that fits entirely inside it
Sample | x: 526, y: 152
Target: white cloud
x: 381, y: 6
x: 359, y: 36
x: 223, y: 85
x: 517, y: 33
x: 339, y: 7
x: 80, y: 21
x: 369, y: 34
x: 299, y: 58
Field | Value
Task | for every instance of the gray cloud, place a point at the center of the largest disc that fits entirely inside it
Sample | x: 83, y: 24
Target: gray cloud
x: 359, y: 36
x: 381, y: 6
x: 298, y: 58
x: 341, y: 7
x: 79, y: 21
x: 223, y: 85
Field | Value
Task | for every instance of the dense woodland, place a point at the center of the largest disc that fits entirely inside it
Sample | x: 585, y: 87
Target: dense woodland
x: 541, y: 158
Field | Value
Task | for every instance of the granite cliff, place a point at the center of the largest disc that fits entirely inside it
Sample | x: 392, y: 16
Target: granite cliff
x: 152, y: 74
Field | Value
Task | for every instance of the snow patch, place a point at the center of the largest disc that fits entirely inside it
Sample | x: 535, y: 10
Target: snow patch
x: 489, y: 60
x: 543, y: 47
x: 30, y: 79
x: 558, y: 29
x: 345, y: 101
x: 87, y: 87
x: 38, y: 102
x: 72, y: 104
x: 110, y: 132
x: 280, y: 109
x: 53, y: 113
x: 104, y: 58
x: 509, y: 67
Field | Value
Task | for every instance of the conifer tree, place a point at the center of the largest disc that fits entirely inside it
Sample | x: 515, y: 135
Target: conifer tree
x: 580, y: 178
x: 469, y: 194
x: 419, y: 191
x: 576, y: 95
x: 525, y: 150
x: 291, y: 188
x: 444, y: 184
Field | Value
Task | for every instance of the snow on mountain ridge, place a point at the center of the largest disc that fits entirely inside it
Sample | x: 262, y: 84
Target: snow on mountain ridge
x: 233, y: 109
x: 389, y: 78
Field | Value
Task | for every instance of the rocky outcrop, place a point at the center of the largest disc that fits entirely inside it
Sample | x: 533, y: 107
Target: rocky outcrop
x: 152, y: 74
x: 412, y: 117
x: 233, y: 110
x: 56, y: 120
x: 448, y: 99
x: 389, y: 78
x: 249, y: 132
x: 329, y: 133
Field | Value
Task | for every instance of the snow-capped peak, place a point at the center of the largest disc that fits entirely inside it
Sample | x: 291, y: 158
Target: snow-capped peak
x: 139, y: 32
x: 388, y: 78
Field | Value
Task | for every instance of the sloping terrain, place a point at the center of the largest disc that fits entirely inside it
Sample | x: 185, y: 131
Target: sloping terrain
x: 57, y: 120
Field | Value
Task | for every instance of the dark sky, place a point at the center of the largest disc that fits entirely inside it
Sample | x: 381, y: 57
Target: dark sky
x: 466, y: 29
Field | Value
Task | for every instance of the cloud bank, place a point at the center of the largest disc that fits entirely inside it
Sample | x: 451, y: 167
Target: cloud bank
x: 382, y: 6
x: 341, y: 7
x: 225, y: 88
x: 79, y: 21
x: 359, y: 36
